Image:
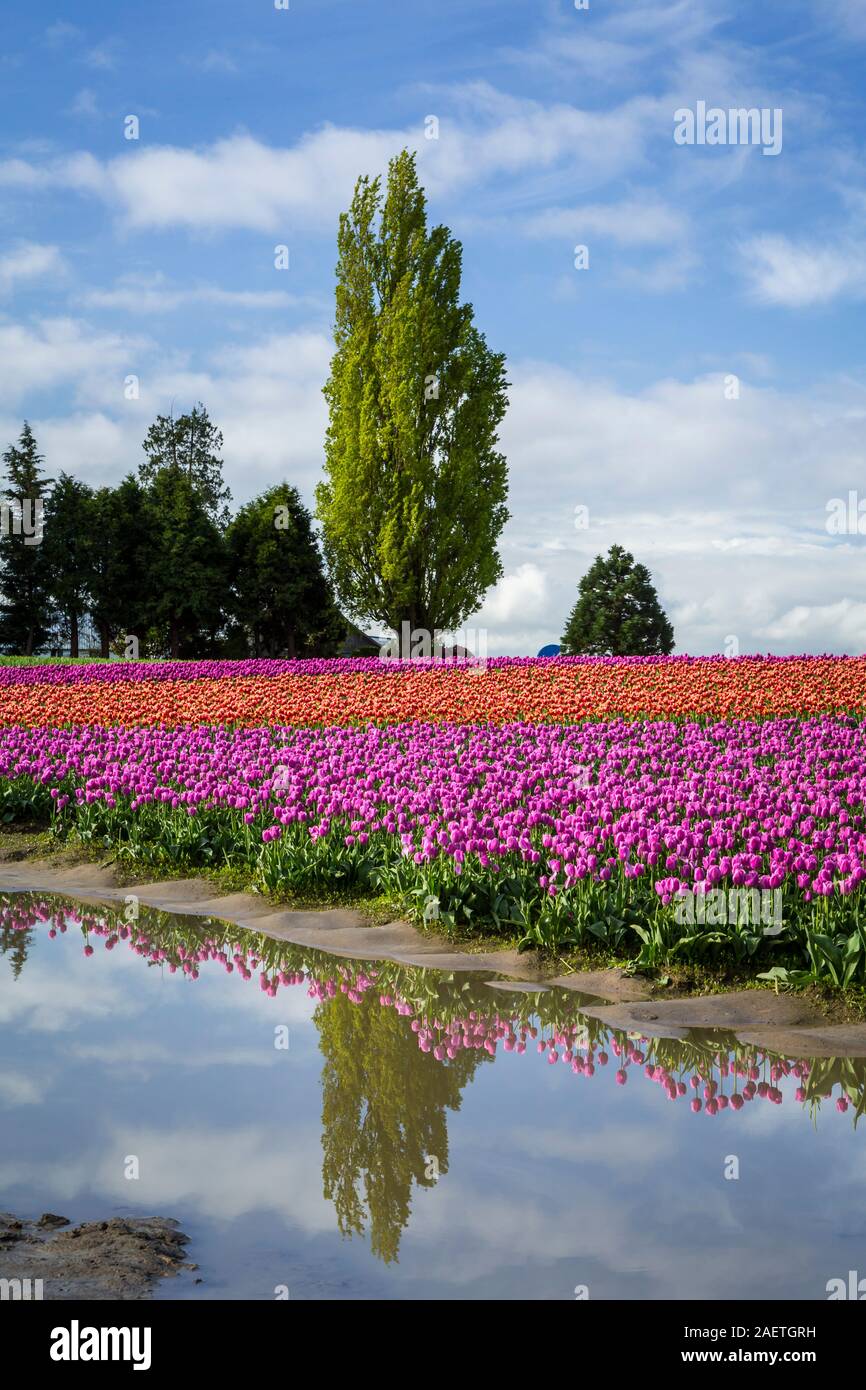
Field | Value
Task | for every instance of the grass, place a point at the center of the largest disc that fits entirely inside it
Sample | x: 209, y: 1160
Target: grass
x: 49, y: 660
x: 34, y: 843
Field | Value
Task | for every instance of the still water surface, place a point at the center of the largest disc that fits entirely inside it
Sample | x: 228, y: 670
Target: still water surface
x: 358, y: 1130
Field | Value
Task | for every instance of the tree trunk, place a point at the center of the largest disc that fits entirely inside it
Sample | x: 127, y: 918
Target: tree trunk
x: 175, y: 637
x: 418, y: 620
x: 73, y: 634
x: 104, y: 641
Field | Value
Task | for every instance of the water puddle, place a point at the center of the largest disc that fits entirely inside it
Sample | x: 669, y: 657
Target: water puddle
x: 324, y: 1128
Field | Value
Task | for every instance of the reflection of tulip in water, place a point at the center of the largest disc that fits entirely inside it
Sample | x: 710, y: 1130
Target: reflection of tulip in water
x: 728, y: 1077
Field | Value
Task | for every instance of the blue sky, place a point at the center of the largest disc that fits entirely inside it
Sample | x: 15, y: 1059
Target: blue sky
x: 699, y: 388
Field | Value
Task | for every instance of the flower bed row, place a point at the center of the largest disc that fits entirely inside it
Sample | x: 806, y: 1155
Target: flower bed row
x: 362, y: 691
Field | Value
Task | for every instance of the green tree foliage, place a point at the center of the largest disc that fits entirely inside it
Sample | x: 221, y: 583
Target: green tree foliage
x: 281, y: 597
x: 25, y: 608
x: 157, y: 558
x: 188, y: 565
x: 186, y: 517
x: 617, y: 611
x: 123, y: 578
x: 190, y: 445
x: 14, y: 943
x: 414, y: 497
x: 383, y: 1116
x: 69, y: 530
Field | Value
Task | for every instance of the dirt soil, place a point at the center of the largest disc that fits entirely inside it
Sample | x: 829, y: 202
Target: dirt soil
x: 118, y: 1259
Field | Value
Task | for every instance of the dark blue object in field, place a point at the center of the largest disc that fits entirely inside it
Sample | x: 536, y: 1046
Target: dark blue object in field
x: 551, y: 650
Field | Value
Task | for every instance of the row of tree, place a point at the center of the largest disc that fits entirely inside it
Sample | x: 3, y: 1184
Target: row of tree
x: 159, y: 558
x: 411, y: 505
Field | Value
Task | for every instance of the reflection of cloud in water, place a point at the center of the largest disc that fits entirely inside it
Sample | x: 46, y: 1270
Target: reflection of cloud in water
x: 639, y: 1245
x: 43, y: 1001
x: 461, y: 1234
x: 546, y: 1180
x: 142, y: 1060
x: 22, y: 1090
x: 627, y: 1146
x: 222, y: 1174
x: 292, y: 1006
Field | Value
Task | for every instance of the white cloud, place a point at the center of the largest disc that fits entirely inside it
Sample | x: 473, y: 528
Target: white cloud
x: 215, y: 60
x: 633, y: 222
x: 266, y: 397
x: 20, y: 1090
x: 154, y: 294
x: 619, y: 41
x: 724, y: 500
x: 241, y: 182
x: 29, y: 261
x: 85, y: 103
x: 103, y: 56
x: 61, y: 33
x: 63, y: 351
x: 515, y: 607
x: 785, y: 272
x: 851, y: 16
x: 809, y: 624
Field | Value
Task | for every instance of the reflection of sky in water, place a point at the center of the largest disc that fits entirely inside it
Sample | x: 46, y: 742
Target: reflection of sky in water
x: 552, y: 1179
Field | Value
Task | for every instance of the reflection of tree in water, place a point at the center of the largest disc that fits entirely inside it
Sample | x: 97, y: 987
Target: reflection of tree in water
x: 15, y: 944
x: 20, y: 913
x: 401, y: 1043
x: 383, y: 1115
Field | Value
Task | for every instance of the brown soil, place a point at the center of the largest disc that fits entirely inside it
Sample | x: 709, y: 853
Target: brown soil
x: 117, y: 1259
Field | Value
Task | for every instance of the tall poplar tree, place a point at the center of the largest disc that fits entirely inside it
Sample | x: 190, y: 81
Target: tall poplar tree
x: 414, y: 496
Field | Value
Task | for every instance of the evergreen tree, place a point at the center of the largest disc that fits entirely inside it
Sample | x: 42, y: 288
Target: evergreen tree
x: 190, y: 445
x: 188, y: 564
x: 123, y: 576
x: 280, y: 594
x: 25, y: 609
x: 69, y: 531
x: 414, y: 498
x: 617, y: 611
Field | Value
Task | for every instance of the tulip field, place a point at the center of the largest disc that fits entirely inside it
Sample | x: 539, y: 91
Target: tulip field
x: 569, y: 801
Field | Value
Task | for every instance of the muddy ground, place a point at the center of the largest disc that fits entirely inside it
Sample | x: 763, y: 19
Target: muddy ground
x: 121, y: 1259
